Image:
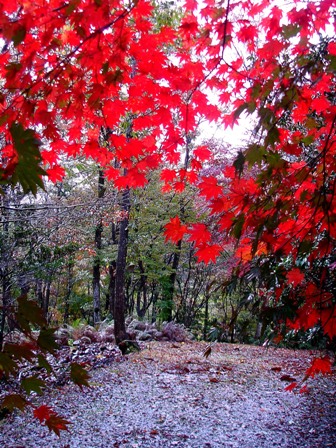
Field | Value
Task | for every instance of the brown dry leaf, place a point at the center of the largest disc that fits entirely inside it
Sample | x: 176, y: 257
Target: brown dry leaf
x: 226, y: 368
x: 207, y: 351
x: 287, y: 377
x: 213, y: 379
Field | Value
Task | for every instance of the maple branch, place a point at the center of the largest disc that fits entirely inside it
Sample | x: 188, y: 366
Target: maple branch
x: 207, y: 76
x: 225, y: 28
x: 44, y: 207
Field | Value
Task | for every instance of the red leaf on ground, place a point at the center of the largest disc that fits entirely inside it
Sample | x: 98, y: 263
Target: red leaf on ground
x: 291, y: 387
x: 304, y: 390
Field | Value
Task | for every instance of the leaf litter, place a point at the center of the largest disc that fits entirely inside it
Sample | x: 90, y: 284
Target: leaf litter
x: 171, y: 395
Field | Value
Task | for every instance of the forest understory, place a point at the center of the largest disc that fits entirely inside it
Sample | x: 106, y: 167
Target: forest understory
x: 170, y: 395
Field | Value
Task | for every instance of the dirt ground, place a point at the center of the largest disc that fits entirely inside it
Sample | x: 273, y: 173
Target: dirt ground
x: 170, y: 395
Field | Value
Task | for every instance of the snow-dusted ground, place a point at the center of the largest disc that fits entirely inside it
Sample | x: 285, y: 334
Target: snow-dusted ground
x: 169, y: 395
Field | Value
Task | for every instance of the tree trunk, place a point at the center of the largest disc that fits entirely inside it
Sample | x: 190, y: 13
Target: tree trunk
x: 69, y: 289
x: 206, y: 316
x: 46, y: 298
x: 96, y: 275
x: 169, y: 288
x: 6, y: 302
x: 119, y: 303
x: 4, y: 269
x: 142, y: 292
x: 39, y: 292
x: 24, y: 284
x: 110, y: 299
x: 96, y: 262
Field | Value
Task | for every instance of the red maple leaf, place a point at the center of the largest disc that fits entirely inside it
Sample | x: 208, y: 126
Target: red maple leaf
x: 226, y: 221
x: 202, y: 153
x: 168, y: 175
x: 174, y: 230
x: 328, y: 320
x: 132, y: 179
x: 218, y: 205
x: 189, y: 27
x: 210, y: 188
x: 332, y: 48
x: 179, y: 186
x: 199, y: 234
x: 247, y: 33
x: 51, y: 419
x: 112, y: 173
x: 295, y: 276
x: 43, y: 412
x: 56, y: 173
x: 57, y: 423
x: 291, y: 387
x: 207, y: 253
x: 319, y: 365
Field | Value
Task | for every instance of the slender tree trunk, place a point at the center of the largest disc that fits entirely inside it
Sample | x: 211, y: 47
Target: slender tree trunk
x: 46, y: 298
x: 24, y: 284
x: 6, y: 302
x: 38, y: 291
x: 119, y: 300
x: 141, y: 305
x: 110, y: 299
x: 232, y: 324
x: 169, y: 288
x: 69, y: 289
x: 154, y: 306
x: 119, y: 304
x: 96, y: 262
x: 4, y: 269
x: 96, y: 274
x: 206, y: 317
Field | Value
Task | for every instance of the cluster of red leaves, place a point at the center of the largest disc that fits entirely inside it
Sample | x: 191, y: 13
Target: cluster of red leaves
x: 46, y: 415
x: 198, y: 234
x: 318, y: 366
x: 71, y: 69
x: 278, y: 198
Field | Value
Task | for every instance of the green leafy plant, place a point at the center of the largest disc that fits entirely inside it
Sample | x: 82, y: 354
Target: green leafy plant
x: 36, y: 342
